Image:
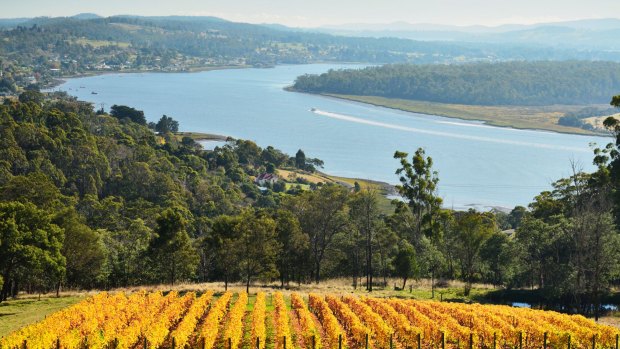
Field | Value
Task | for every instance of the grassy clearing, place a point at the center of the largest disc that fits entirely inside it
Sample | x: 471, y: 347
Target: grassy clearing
x: 521, y: 117
x: 199, y: 136
x: 383, y: 189
x: 101, y: 43
x: 15, y: 314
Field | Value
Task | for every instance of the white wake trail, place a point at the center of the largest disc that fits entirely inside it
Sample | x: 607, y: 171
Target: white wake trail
x: 442, y: 134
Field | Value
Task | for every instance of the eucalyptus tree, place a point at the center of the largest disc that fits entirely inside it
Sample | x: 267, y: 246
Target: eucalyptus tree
x: 418, y: 186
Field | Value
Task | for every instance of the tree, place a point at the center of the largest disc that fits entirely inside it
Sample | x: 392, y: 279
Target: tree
x: 364, y: 214
x: 431, y: 261
x: 125, y: 112
x: 167, y: 124
x: 405, y: 264
x: 83, y: 249
x: 472, y: 230
x: 293, y: 255
x: 256, y: 247
x: 322, y: 215
x: 31, y: 96
x: 497, y: 254
x: 171, y: 252
x: 300, y: 160
x: 221, y: 242
x: 418, y: 186
x: 30, y: 248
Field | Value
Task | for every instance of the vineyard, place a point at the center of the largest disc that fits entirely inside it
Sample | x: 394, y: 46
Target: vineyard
x: 274, y: 321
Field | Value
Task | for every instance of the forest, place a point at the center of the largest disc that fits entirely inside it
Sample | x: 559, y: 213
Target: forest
x: 505, y: 83
x: 91, y: 199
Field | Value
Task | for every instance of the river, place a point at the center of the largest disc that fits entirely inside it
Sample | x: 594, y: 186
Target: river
x: 479, y: 166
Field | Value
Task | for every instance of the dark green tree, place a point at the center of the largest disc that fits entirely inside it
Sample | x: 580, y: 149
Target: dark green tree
x: 125, y: 112
x: 167, y: 124
x: 300, y: 160
x: 30, y: 248
x: 405, y: 263
x: 171, y: 252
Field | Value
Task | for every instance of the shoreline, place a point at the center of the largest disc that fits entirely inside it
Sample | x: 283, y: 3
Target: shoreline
x: 481, y: 120
x: 63, y: 79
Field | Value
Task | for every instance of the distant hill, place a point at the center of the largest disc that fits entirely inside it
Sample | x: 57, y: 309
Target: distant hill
x: 86, y: 16
x: 589, y: 33
x: 508, y: 83
x: 12, y: 22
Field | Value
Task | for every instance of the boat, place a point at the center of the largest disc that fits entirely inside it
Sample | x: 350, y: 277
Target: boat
x: 313, y: 109
x: 93, y: 93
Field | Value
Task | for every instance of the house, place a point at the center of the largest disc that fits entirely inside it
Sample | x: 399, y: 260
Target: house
x: 266, y: 178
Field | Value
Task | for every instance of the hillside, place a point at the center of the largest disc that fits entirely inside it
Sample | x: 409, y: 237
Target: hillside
x: 37, y: 51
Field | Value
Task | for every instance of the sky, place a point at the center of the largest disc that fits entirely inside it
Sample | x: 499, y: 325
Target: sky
x: 314, y: 13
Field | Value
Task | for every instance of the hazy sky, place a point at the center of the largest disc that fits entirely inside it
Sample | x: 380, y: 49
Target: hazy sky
x: 308, y: 13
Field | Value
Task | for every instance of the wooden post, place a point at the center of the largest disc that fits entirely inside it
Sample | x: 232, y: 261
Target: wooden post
x: 313, y: 342
x: 521, y: 340
x: 419, y: 340
x: 204, y: 344
x: 366, y: 340
x: 545, y: 341
x: 617, y: 340
x: 257, y: 342
x: 145, y: 345
x: 494, y: 340
x: 594, y: 341
x: 391, y: 341
x: 57, y: 343
x: 174, y: 343
x: 340, y: 341
x: 283, y: 342
x: 568, y: 346
x: 229, y: 343
x: 471, y: 340
x: 25, y: 344
x: 443, y: 340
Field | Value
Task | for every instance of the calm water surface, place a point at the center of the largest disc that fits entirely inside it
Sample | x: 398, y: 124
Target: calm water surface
x: 478, y: 165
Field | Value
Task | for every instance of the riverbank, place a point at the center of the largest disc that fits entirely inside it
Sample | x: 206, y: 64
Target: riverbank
x: 543, y: 118
x: 62, y: 79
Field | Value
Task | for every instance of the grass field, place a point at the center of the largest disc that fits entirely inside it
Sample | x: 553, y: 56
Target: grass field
x: 101, y: 43
x: 521, y: 117
x: 199, y: 136
x: 381, y: 188
x: 17, y: 313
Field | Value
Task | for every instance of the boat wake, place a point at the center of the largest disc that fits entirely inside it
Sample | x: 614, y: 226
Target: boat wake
x: 358, y: 120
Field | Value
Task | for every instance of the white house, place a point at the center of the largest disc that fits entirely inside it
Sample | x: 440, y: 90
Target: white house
x: 266, y: 178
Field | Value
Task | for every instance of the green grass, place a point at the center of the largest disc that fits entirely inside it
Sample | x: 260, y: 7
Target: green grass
x: 199, y: 136
x: 295, y: 185
x: 15, y: 314
x: 521, y: 117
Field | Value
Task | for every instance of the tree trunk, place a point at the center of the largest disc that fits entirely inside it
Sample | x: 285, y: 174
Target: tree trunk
x: 404, y: 282
x: 225, y: 282
x: 247, y: 285
x: 369, y: 258
x: 317, y: 272
x: 433, y: 283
